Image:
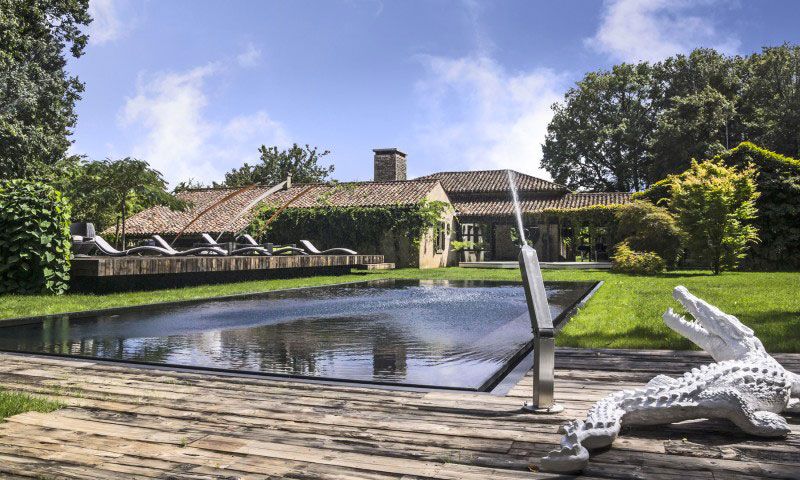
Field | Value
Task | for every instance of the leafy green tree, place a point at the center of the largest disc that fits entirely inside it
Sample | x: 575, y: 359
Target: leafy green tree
x: 715, y: 206
x: 771, y: 99
x: 696, y: 106
x: 275, y: 165
x: 106, y: 190
x: 597, y: 138
x: 37, y: 96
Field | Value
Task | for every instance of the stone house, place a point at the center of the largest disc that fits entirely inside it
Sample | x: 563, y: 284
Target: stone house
x: 482, y: 211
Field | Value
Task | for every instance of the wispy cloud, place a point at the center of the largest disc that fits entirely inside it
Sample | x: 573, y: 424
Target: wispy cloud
x: 107, y: 24
x: 249, y: 57
x: 634, y: 30
x: 476, y: 114
x: 167, y: 125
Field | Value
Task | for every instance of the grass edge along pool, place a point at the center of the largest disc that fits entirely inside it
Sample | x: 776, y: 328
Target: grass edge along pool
x: 433, y: 334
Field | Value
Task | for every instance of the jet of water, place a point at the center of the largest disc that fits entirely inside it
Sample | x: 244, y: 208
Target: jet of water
x: 517, y: 210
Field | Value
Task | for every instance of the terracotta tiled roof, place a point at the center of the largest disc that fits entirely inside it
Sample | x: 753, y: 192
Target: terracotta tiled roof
x: 495, y: 208
x: 491, y: 181
x: 223, y: 217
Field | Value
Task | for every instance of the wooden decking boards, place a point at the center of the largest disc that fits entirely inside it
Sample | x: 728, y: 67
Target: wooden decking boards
x: 126, y: 422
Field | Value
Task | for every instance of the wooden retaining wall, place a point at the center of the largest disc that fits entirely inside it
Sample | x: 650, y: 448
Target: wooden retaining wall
x: 115, y: 266
x: 108, y: 274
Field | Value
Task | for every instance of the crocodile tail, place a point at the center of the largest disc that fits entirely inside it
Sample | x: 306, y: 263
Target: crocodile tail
x: 600, y: 429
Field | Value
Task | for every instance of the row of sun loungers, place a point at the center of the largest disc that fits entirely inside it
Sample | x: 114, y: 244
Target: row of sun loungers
x: 210, y: 247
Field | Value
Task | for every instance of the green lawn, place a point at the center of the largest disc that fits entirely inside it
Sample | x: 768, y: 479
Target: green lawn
x: 12, y: 403
x: 625, y: 312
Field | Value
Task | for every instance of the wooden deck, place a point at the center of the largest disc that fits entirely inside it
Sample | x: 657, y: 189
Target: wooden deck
x: 125, y: 422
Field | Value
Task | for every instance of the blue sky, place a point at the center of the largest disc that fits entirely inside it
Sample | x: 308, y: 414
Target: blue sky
x: 195, y: 87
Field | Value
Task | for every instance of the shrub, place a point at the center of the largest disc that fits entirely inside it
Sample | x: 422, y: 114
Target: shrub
x: 626, y: 260
x: 778, y: 182
x: 648, y: 228
x: 34, y: 238
x: 715, y: 206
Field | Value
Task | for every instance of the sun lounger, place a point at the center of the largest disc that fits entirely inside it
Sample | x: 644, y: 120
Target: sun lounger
x: 211, y: 250
x: 246, y: 250
x: 315, y: 251
x: 106, y: 249
x: 275, y: 249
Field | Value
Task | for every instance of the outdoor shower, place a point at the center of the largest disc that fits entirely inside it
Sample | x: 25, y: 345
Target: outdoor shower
x: 543, y: 400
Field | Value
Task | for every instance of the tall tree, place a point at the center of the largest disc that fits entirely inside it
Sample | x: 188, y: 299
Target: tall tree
x: 106, y: 190
x: 696, y: 106
x: 37, y: 96
x: 597, y: 138
x: 301, y: 163
x: 771, y: 99
x: 695, y: 101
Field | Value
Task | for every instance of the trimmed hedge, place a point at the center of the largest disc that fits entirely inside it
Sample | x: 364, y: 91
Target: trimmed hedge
x: 778, y: 220
x: 34, y: 238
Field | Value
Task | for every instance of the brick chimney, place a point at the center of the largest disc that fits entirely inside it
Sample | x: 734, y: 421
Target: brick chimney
x: 390, y: 165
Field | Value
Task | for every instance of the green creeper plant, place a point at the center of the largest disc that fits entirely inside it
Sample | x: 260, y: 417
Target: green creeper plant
x: 34, y: 238
x: 361, y: 228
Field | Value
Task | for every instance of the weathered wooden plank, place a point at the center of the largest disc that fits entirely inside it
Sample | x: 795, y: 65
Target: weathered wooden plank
x: 126, y: 422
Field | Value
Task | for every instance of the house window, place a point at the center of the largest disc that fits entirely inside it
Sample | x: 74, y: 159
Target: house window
x: 472, y: 232
x: 442, y: 232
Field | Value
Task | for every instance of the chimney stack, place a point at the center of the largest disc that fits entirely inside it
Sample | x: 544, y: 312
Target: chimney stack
x: 390, y: 165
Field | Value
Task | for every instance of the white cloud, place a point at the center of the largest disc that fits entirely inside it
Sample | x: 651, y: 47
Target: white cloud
x: 167, y: 125
x: 106, y: 25
x: 480, y: 116
x: 634, y: 30
x: 250, y: 57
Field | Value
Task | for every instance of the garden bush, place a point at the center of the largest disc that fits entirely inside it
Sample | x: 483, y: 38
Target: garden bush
x: 715, y: 206
x: 649, y: 228
x: 34, y: 238
x: 778, y: 220
x: 626, y: 260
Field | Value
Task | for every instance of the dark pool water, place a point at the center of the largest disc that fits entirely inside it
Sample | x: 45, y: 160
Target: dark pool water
x: 435, y: 333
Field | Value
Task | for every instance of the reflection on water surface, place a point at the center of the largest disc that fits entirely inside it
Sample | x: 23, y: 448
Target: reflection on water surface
x: 455, y: 334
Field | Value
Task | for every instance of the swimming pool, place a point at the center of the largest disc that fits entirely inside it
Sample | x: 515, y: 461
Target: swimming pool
x: 450, y: 334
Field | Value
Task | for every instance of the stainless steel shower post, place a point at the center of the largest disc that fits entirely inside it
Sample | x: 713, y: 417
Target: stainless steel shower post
x: 543, y: 334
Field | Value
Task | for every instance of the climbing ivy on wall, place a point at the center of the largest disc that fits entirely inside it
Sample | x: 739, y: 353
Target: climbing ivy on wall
x: 360, y: 228
x: 595, y: 215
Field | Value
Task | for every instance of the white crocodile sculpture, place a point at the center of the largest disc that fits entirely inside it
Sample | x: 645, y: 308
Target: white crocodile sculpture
x: 746, y: 386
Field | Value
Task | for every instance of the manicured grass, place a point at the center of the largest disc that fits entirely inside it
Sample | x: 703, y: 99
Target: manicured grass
x: 624, y: 313
x: 12, y: 403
